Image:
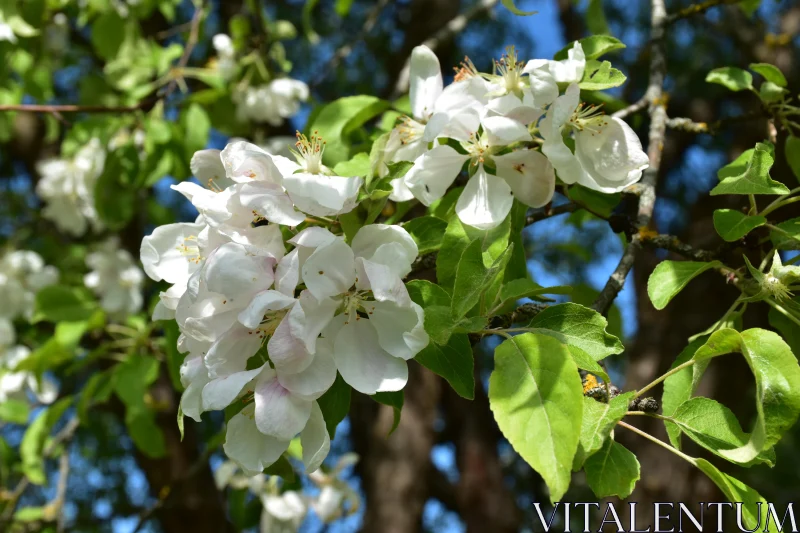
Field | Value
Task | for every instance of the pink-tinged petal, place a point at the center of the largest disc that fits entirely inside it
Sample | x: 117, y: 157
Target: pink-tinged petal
x: 287, y: 273
x: 425, y: 81
x: 529, y: 174
x: 312, y: 382
x: 362, y: 362
x: 249, y: 448
x: 318, y: 314
x: 229, y: 354
x: 271, y: 202
x: 279, y: 413
x: 287, y: 347
x: 245, y: 162
x: 434, y: 172
x: 221, y: 392
x: 314, y: 439
x: 485, y: 201
x: 194, y: 377
x: 262, y: 303
x: 330, y: 270
x: 400, y: 329
x: 382, y: 280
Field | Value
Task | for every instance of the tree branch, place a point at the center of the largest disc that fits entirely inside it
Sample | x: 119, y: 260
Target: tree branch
x: 696, y: 9
x: 655, y: 148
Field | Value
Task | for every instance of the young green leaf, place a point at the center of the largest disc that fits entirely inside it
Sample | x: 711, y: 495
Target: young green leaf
x: 599, y: 419
x: 732, y: 225
x: 335, y: 404
x: 61, y: 303
x: 680, y: 386
x: 536, y: 396
x: 458, y: 236
x: 454, y: 362
x: 754, y: 179
x: 670, y: 277
x: 736, y: 491
x: 787, y: 237
x: 577, y: 326
x: 14, y: 411
x: 584, y: 361
x: 427, y: 232
x: 358, y: 165
x: 517, y: 289
x: 775, y: 369
x: 613, y: 471
x: 337, y: 120
x: 593, y: 46
x: 395, y: 401
x: 792, y: 151
x: 600, y: 76
x: 735, y: 79
x: 771, y: 73
x: 509, y: 4
x: 473, y: 277
x: 31, y: 448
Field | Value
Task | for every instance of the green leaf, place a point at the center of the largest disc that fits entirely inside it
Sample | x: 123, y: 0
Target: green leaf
x: 115, y: 197
x: 31, y: 448
x: 427, y: 232
x: 197, y: 127
x: 473, y: 277
x: 108, y: 33
x: 670, y: 277
x: 770, y: 93
x: 613, y: 471
x: 593, y: 46
x: 584, y: 361
x: 749, y: 7
x: 735, y: 79
x: 792, y: 151
x: 439, y: 323
x: 776, y: 372
x: 14, y: 411
x: 754, y: 177
x: 29, y: 514
x: 337, y: 120
x: 736, y: 492
x: 598, y: 202
x: 358, y: 165
x: 790, y: 240
x: 509, y: 4
x: 732, y: 225
x: 536, y: 396
x: 57, y: 303
x: 456, y: 239
x: 598, y: 421
x: 599, y: 76
x: 714, y: 427
x: 132, y: 379
x: 788, y: 329
x: 427, y: 294
x: 393, y: 400
x: 680, y: 386
x: 454, y: 362
x: 335, y: 404
x: 578, y: 326
x: 342, y: 7
x: 771, y: 73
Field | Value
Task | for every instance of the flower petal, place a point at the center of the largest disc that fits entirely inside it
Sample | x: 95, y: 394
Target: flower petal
x: 502, y: 131
x: 312, y: 382
x: 315, y: 440
x: 249, y: 448
x: 244, y: 162
x: 262, y: 303
x: 287, y: 273
x: 371, y: 237
x: 287, y: 347
x: 271, y: 202
x: 279, y: 413
x: 330, y: 270
x: 231, y: 271
x: 221, y: 392
x: 485, y: 201
x: 434, y: 172
x: 529, y: 174
x: 229, y: 354
x: 321, y: 195
x: 362, y: 362
x: 400, y: 329
x: 207, y: 167
x: 425, y: 81
x: 382, y: 280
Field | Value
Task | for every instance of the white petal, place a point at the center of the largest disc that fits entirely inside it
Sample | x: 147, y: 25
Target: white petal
x: 279, y: 413
x: 400, y: 192
x: 312, y: 382
x: 613, y: 158
x: 259, y: 240
x: 229, y: 354
x: 425, y: 78
x: 287, y: 273
x: 434, y: 172
x: 167, y: 253
x: 511, y: 106
x: 530, y: 175
x: 312, y: 237
x: 371, y: 237
x: 231, y: 271
x: 271, y: 202
x: 249, y: 448
x: 287, y: 347
x: 400, y: 329
x: 544, y: 88
x: 262, y: 303
x: 221, y: 392
x: 570, y: 70
x: 320, y: 195
x: 485, y: 201
x: 502, y: 131
x: 208, y: 169
x: 382, y: 280
x: 194, y: 377
x: 330, y: 270
x: 244, y: 162
x: 315, y: 440
x: 362, y: 362
x: 318, y: 314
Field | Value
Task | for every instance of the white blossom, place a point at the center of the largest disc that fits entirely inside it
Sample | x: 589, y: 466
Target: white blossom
x: 271, y: 103
x: 67, y: 186
x: 115, y: 278
x: 22, y: 274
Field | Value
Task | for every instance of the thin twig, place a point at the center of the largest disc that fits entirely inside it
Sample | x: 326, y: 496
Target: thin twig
x: 191, y: 42
x: 61, y: 491
x: 655, y: 148
x: 451, y: 28
x: 696, y: 9
x: 551, y: 211
x: 673, y: 244
x: 631, y: 109
x: 657, y: 441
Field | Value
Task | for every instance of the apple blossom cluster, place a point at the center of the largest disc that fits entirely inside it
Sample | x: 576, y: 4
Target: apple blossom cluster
x: 267, y: 322
x: 285, y: 511
x: 67, y: 186
x: 270, y: 103
x: 22, y: 274
x: 115, y: 278
x: 495, y: 119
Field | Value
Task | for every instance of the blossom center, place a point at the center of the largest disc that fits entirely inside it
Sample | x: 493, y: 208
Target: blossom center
x: 354, y: 302
x: 410, y: 130
x: 589, y: 118
x: 509, y: 70
x: 309, y: 152
x: 190, y: 249
x: 478, y: 147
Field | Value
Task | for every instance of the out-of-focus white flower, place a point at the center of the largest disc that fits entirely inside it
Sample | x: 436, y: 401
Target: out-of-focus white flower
x: 22, y: 274
x: 67, y: 186
x: 336, y: 496
x: 271, y: 103
x: 226, y: 55
x: 15, y: 384
x: 115, y: 278
x: 56, y: 37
